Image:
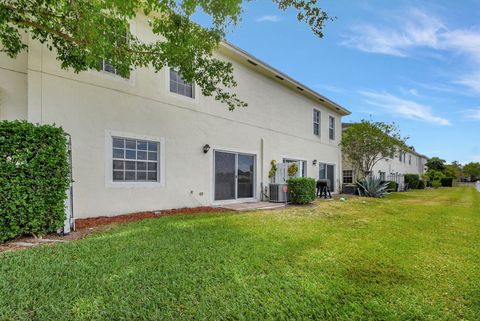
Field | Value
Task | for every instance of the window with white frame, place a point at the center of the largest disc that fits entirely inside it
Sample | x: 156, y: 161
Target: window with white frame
x: 331, y: 127
x: 382, y: 175
x: 409, y: 159
x: 347, y: 177
x: 107, y: 66
x: 180, y: 86
x: 316, y: 122
x: 135, y: 160
x: 400, y: 155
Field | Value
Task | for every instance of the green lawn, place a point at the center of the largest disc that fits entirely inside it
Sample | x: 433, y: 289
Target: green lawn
x: 411, y: 256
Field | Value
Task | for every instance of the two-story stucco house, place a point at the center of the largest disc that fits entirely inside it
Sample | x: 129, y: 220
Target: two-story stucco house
x: 392, y: 168
x: 150, y: 141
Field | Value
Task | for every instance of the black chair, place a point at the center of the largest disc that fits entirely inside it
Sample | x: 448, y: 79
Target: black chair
x: 322, y: 188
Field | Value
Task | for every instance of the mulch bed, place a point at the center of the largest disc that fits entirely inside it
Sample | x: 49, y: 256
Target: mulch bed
x: 104, y: 220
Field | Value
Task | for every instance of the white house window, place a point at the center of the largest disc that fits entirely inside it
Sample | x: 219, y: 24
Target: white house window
x: 347, y: 177
x: 409, y: 159
x: 400, y: 155
x: 135, y: 160
x: 382, y: 175
x: 331, y: 127
x: 316, y: 122
x: 302, y: 165
x: 107, y: 66
x: 180, y: 86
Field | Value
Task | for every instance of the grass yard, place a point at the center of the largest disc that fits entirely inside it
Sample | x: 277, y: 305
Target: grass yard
x: 411, y: 256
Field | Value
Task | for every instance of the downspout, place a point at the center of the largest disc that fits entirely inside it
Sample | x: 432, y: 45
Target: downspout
x: 261, y: 170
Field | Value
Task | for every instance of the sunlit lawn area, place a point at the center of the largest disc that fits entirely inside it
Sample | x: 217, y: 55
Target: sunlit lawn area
x: 411, y: 256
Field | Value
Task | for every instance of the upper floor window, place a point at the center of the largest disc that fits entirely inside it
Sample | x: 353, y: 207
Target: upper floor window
x: 400, y: 156
x: 107, y: 66
x: 331, y: 127
x: 135, y: 160
x: 316, y: 122
x: 409, y: 159
x: 180, y: 86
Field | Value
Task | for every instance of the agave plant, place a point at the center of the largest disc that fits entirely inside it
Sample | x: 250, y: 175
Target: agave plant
x: 373, y: 187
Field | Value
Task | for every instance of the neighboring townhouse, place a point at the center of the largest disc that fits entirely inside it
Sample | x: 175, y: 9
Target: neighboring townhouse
x: 151, y: 141
x: 392, y: 168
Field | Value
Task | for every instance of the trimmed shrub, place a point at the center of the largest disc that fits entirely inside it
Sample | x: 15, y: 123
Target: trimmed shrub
x: 301, y: 190
x: 392, y: 186
x: 447, y: 181
x: 421, y: 184
x: 436, y: 184
x: 412, y: 180
x: 34, y: 177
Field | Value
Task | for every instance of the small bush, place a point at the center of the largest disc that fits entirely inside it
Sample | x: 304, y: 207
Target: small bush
x: 34, y: 177
x: 436, y: 184
x: 447, y: 181
x: 301, y: 190
x: 392, y: 186
x: 421, y: 184
x: 412, y: 180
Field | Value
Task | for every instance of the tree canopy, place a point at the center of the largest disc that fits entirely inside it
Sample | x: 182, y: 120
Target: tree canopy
x: 84, y: 32
x: 365, y: 143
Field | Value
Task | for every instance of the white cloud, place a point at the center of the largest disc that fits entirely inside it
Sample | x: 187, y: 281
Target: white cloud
x: 268, y: 18
x: 402, y: 107
x: 419, y: 30
x: 473, y: 114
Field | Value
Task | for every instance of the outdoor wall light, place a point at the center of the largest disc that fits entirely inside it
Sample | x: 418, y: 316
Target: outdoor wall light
x: 206, y: 148
x: 314, y: 162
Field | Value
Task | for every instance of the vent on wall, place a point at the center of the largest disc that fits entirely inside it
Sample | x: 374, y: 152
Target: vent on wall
x: 252, y: 62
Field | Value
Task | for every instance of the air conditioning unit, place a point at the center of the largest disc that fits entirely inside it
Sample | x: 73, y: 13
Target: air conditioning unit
x: 277, y: 194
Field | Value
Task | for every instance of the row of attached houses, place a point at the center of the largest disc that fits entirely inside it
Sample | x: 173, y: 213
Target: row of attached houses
x: 151, y: 141
x: 392, y: 168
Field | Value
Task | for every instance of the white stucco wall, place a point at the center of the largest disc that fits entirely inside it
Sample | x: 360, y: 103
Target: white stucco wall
x: 91, y: 104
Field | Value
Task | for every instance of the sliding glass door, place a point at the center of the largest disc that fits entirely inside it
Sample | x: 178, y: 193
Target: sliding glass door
x: 234, y: 175
x: 327, y: 172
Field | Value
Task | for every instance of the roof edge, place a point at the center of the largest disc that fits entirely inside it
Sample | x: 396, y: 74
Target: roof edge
x: 275, y: 72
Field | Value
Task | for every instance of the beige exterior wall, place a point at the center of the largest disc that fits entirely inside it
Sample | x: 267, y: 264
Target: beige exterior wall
x: 91, y: 106
x: 394, y: 169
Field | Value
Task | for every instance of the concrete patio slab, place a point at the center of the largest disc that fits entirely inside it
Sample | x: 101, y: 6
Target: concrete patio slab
x: 254, y: 206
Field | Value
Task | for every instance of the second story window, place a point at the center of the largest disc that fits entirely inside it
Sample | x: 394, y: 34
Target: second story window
x: 400, y: 155
x: 107, y: 66
x: 331, y: 127
x: 316, y: 122
x: 180, y: 86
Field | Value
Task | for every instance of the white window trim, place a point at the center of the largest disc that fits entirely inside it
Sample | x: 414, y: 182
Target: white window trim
x: 319, y: 122
x: 111, y: 76
x: 334, y: 128
x: 109, y: 183
x: 196, y: 90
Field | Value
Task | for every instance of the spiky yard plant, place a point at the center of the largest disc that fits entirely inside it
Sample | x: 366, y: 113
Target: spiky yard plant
x: 373, y: 187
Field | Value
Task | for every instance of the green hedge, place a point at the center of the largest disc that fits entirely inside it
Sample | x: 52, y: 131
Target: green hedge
x: 447, y: 181
x: 412, y: 180
x: 34, y: 177
x: 301, y: 190
x: 421, y: 185
x: 392, y: 186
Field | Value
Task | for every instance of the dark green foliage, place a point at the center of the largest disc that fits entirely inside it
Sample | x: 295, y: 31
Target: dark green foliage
x: 447, y: 181
x: 373, y: 187
x: 34, y: 175
x: 392, y: 186
x: 301, y: 190
x: 412, y: 180
x: 421, y: 184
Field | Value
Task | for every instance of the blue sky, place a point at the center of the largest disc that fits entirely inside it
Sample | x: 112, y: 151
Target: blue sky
x: 416, y: 63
